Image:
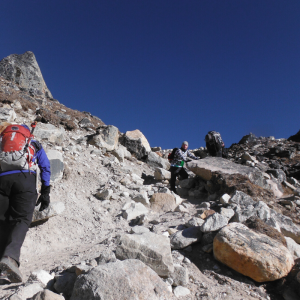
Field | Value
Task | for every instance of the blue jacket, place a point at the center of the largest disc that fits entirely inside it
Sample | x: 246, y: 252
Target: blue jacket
x: 40, y: 157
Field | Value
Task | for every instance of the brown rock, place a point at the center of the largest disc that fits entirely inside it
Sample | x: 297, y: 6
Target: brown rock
x: 163, y: 202
x: 252, y: 254
x: 47, y: 295
x: 260, y: 226
x: 207, y: 213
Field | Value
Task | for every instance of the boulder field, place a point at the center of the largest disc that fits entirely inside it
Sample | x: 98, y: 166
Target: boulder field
x: 114, y: 230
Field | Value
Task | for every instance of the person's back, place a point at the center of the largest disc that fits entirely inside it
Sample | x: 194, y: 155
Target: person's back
x: 214, y: 143
x: 18, y: 193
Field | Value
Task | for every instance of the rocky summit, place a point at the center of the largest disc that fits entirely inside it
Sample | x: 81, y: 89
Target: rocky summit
x: 114, y: 230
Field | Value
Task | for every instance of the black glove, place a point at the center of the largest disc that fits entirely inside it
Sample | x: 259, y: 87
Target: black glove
x: 44, y: 198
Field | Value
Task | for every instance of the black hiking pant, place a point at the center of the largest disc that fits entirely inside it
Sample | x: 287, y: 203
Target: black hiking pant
x: 175, y: 171
x: 18, y: 196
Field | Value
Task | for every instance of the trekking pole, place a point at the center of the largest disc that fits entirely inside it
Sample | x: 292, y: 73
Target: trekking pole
x: 33, y: 125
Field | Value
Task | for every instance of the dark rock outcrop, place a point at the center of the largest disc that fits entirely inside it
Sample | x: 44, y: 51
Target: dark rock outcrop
x: 24, y: 70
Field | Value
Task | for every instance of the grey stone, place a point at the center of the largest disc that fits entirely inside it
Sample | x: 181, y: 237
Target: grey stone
x: 49, y: 133
x: 142, y: 197
x: 121, y: 153
x: 228, y: 213
x: 293, y: 247
x: 180, y: 275
x: 187, y: 183
x: 136, y: 143
x: 214, y: 222
x: 154, y: 160
x: 104, y: 194
x: 54, y: 209
x: 134, y: 210
x: 64, y: 283
x: 243, y: 214
x: 7, y: 114
x: 85, y: 123
x: 27, y: 292
x: 181, y: 291
x: 129, y: 279
x: 106, y: 137
x: 205, y: 205
x: 106, y: 257
x: 206, y: 166
x: 162, y: 174
x: 241, y: 199
x: 152, y: 249
x: 62, y: 115
x: 47, y: 295
x: 277, y: 173
x: 24, y: 70
x: 186, y: 237
x: 139, y: 229
x: 194, y: 222
x: 56, y: 164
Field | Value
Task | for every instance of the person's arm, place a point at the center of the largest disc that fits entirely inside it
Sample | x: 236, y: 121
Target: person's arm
x: 190, y: 155
x: 44, y: 165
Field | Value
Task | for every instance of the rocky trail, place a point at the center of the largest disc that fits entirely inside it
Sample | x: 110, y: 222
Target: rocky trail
x: 114, y: 230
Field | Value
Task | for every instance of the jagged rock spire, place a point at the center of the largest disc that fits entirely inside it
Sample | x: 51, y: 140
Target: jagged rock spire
x: 24, y: 70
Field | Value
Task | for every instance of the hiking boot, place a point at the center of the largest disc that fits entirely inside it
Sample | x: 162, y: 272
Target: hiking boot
x: 10, y: 268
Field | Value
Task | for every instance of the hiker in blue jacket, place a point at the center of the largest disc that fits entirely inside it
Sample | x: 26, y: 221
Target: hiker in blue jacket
x: 18, y: 195
x: 180, y: 156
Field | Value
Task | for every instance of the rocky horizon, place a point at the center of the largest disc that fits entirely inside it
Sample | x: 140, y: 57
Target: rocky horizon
x: 114, y: 230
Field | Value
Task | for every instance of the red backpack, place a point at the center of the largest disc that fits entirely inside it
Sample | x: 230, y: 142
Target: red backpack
x: 16, y: 151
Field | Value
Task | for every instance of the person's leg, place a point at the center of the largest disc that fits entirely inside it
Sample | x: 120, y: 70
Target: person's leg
x: 173, y: 178
x: 21, y: 206
x: 4, y: 206
x: 183, y: 174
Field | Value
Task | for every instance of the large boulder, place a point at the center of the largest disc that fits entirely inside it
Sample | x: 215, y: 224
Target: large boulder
x: 129, y: 279
x: 252, y: 254
x: 207, y: 166
x: 106, y: 136
x: 24, y: 70
x: 154, y: 160
x: 163, y: 202
x: 49, y: 133
x: 152, y: 249
x: 162, y: 174
x: 136, y: 143
x: 56, y: 164
x: 245, y: 207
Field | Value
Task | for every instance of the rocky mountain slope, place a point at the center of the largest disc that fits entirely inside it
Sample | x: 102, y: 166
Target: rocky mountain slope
x: 115, y: 231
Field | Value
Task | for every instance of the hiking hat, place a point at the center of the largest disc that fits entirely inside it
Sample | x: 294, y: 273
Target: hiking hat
x: 185, y: 143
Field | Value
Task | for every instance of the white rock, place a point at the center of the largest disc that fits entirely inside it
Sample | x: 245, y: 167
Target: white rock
x: 181, y: 291
x: 225, y: 199
x: 293, y: 247
x: 135, y: 210
x: 41, y: 276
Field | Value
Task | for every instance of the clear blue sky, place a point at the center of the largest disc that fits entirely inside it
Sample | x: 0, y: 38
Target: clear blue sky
x: 172, y: 69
